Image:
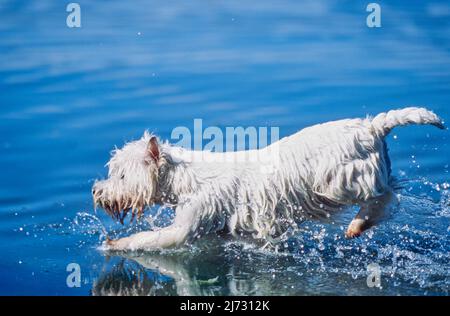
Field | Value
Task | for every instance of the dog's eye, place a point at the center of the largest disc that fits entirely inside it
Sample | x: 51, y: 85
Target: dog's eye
x: 122, y: 177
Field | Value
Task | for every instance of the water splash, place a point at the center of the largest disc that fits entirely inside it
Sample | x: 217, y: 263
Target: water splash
x: 89, y: 224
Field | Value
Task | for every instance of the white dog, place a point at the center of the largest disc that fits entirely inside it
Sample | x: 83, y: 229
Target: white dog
x: 321, y: 169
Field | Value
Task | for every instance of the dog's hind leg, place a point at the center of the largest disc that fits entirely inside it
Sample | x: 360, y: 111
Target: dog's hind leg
x: 370, y: 213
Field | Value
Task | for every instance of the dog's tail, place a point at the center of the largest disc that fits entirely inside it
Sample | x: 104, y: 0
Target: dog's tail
x: 383, y: 123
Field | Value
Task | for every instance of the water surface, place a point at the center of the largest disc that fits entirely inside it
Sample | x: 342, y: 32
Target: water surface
x: 68, y: 96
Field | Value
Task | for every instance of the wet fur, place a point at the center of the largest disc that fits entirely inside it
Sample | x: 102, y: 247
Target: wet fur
x: 320, y: 170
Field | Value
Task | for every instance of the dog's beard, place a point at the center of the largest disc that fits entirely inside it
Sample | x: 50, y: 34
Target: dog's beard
x: 118, y: 209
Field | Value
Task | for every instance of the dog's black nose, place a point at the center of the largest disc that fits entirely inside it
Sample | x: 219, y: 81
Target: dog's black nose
x: 96, y: 191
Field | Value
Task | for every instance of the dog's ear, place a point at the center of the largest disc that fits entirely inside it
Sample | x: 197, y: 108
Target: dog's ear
x: 153, y: 149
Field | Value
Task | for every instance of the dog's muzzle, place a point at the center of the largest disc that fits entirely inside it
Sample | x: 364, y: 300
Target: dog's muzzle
x: 118, y: 209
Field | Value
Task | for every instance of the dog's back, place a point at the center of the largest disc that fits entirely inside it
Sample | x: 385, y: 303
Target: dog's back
x: 346, y: 161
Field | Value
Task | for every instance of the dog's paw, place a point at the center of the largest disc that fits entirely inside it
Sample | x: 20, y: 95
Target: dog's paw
x: 355, y: 229
x: 116, y: 245
x: 352, y: 233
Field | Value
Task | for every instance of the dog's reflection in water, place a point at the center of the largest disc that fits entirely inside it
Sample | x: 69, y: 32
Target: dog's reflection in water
x: 202, y: 272
x: 153, y: 274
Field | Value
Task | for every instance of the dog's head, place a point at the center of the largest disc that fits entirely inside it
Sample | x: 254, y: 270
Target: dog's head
x: 132, y: 179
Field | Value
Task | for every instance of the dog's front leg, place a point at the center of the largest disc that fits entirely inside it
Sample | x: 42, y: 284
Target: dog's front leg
x: 168, y: 237
x: 184, y: 226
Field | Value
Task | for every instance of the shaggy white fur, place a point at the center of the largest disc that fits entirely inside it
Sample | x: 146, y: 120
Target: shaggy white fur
x: 318, y: 171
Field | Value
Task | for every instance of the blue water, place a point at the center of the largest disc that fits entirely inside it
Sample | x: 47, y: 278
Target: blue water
x: 68, y: 96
